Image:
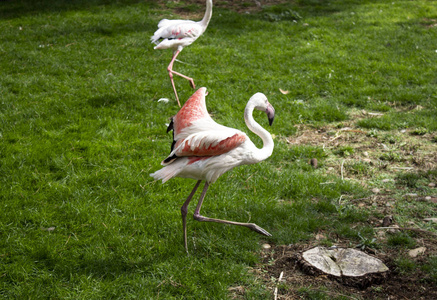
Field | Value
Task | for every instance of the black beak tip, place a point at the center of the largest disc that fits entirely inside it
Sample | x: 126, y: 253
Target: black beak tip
x: 270, y: 111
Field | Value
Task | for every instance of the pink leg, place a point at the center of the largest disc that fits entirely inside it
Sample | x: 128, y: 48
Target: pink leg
x: 201, y: 218
x: 171, y: 72
x: 184, y: 211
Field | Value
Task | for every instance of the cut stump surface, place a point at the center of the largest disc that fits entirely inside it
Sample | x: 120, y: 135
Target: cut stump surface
x: 350, y: 266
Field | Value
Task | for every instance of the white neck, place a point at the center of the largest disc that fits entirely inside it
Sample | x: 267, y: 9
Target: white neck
x: 208, y: 14
x: 267, y: 149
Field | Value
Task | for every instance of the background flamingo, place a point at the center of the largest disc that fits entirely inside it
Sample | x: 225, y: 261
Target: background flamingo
x: 204, y: 150
x: 177, y: 34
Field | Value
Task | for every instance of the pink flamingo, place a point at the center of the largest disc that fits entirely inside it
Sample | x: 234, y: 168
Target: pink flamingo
x: 204, y: 150
x: 177, y: 34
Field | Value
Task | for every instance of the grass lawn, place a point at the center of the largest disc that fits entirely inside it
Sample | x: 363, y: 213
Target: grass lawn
x: 354, y: 85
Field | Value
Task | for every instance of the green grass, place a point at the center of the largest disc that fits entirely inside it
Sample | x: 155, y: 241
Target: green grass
x: 81, y: 129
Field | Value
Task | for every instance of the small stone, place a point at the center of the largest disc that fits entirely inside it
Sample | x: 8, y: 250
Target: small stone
x: 266, y: 246
x: 427, y: 198
x: 375, y: 190
x: 432, y: 184
x: 387, y: 221
x: 366, y: 154
x: 313, y: 162
x: 417, y: 252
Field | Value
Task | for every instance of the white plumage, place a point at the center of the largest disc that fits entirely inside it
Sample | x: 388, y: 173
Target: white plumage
x: 204, y: 150
x: 177, y: 34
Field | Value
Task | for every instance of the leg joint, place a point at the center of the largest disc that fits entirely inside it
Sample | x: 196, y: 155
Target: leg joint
x: 198, y: 217
x: 184, y: 210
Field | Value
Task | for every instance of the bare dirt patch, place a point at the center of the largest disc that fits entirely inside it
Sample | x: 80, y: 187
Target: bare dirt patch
x: 297, y: 284
x: 371, y: 158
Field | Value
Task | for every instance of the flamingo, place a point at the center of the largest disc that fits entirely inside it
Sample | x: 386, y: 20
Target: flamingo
x: 204, y: 150
x: 177, y: 34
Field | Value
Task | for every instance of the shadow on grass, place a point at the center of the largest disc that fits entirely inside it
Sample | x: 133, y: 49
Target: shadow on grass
x: 105, y: 100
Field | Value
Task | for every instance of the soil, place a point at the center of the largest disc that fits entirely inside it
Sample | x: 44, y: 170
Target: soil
x: 283, y: 259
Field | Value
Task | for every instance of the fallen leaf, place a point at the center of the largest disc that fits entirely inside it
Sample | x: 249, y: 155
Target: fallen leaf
x: 48, y: 229
x: 320, y: 237
x: 375, y: 190
x: 387, y: 180
x: 416, y: 252
x: 434, y: 220
x: 410, y: 195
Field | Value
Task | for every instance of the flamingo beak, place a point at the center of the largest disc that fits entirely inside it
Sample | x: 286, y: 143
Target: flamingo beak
x: 270, y: 111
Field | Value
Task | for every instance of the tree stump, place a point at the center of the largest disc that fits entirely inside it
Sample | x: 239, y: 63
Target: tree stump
x: 349, y: 266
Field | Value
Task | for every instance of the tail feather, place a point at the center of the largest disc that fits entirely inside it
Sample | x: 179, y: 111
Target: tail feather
x: 155, y: 38
x: 169, y: 171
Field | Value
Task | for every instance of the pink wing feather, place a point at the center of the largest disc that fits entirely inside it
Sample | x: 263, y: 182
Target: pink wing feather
x: 207, y: 146
x: 194, y: 109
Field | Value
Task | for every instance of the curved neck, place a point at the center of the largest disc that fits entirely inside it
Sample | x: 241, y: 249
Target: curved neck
x: 267, y: 149
x: 208, y: 14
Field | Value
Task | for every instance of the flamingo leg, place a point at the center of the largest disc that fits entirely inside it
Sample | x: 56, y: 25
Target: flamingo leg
x: 201, y: 218
x: 171, y: 72
x: 184, y: 211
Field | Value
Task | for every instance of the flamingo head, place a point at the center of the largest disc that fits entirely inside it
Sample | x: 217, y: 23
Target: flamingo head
x: 259, y: 100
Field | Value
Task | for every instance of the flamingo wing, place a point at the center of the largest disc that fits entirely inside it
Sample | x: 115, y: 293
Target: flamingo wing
x: 209, y: 143
x: 177, y: 30
x: 167, y: 22
x: 195, y: 133
x: 206, y: 144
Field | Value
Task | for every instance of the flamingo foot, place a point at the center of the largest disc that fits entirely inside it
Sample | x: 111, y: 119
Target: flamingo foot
x: 258, y: 229
x: 251, y: 226
x: 192, y: 83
